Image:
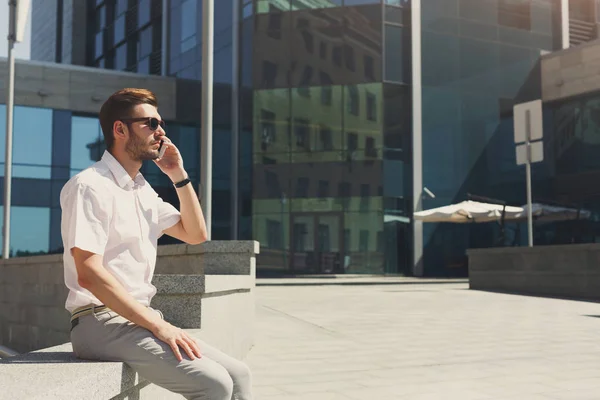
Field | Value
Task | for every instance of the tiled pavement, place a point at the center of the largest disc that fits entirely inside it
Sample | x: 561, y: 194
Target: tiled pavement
x: 417, y: 342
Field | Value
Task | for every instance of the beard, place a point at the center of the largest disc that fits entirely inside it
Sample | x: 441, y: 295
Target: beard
x: 139, y: 150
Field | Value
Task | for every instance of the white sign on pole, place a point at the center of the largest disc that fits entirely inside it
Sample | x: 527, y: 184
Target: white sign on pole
x: 528, y: 116
x: 537, y: 153
x: 23, y: 7
x: 528, y: 135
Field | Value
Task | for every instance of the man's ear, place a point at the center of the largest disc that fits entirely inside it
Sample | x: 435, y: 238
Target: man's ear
x: 119, y: 130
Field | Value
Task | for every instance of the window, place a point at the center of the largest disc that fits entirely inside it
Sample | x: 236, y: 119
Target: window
x: 144, y: 47
x: 307, y: 37
x: 268, y: 131
x: 188, y: 25
x: 514, y: 14
x: 87, y: 143
x: 31, y: 126
x: 302, y: 187
x: 353, y: 100
x: 363, y: 244
x: 121, y: 7
x: 302, y: 132
x: 371, y: 107
x: 323, y: 189
x: 370, y: 150
x: 274, y: 237
x: 121, y: 57
x: 100, y: 19
x: 144, y: 12
x: 99, y: 45
x: 394, y: 54
x: 325, y: 138
x: 352, y: 141
x: 120, y: 29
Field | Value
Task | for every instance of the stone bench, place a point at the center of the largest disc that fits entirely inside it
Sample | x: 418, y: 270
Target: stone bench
x: 206, y: 289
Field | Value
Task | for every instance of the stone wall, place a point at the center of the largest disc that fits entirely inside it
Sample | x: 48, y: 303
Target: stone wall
x: 207, y: 287
x: 567, y: 271
x: 571, y: 72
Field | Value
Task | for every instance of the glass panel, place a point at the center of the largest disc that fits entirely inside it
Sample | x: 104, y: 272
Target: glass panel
x: 87, y: 143
x: 120, y: 29
x: 188, y: 24
x: 121, y: 57
x: 99, y: 43
x: 271, y: 62
x: 32, y: 143
x: 143, y: 12
x: 271, y: 125
x: 396, y: 65
x: 316, y: 132
x: 271, y: 228
x: 145, y: 43
x: 361, y: 252
x: 25, y: 241
x: 303, y: 244
x: 121, y: 6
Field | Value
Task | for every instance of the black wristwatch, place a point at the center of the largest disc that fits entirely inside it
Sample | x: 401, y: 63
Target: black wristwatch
x: 182, y: 183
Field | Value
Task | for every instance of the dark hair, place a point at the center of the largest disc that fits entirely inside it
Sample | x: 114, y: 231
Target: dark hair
x: 119, y: 106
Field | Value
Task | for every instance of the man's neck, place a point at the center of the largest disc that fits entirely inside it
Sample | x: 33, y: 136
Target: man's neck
x: 132, y: 167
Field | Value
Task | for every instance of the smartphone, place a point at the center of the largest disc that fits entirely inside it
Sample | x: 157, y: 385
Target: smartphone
x: 161, y: 149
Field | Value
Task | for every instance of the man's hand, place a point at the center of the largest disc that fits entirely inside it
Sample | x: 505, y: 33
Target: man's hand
x: 176, y: 338
x: 171, y: 163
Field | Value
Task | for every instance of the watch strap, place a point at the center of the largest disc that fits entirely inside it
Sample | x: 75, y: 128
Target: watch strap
x: 182, y: 183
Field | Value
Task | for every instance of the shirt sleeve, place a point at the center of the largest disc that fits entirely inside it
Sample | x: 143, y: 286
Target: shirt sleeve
x: 168, y: 215
x: 87, y: 219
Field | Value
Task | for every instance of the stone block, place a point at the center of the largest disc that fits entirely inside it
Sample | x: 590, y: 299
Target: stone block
x: 171, y: 284
x: 183, y: 311
x: 185, y: 264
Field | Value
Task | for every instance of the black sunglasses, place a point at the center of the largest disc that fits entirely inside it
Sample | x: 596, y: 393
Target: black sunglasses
x: 153, y: 123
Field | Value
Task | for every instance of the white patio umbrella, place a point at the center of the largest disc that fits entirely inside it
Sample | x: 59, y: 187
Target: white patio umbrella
x: 547, y: 213
x: 468, y: 211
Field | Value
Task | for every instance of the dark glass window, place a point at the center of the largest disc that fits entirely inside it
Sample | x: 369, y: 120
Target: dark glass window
x: 371, y: 107
x: 514, y: 14
x: 32, y: 141
x: 188, y: 25
x: 395, y: 54
x: 100, y: 19
x: 353, y: 100
x: 143, y: 12
x: 323, y: 190
x: 120, y: 29
x: 121, y: 57
x: 121, y: 7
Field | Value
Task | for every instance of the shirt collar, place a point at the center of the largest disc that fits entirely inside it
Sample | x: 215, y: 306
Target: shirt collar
x: 121, y: 176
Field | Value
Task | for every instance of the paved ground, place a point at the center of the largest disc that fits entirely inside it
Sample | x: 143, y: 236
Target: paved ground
x: 433, y: 341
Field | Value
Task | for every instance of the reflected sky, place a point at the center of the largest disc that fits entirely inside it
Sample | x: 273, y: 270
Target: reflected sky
x: 29, y: 228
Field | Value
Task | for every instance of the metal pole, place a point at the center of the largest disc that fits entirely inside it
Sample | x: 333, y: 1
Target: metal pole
x: 207, y: 111
x: 10, y: 97
x: 235, y: 123
x: 528, y: 173
x: 529, y: 211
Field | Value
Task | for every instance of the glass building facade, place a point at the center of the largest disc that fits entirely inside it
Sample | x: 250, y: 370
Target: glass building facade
x: 317, y: 98
x: 330, y: 125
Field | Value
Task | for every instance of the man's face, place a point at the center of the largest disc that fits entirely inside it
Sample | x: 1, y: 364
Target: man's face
x: 143, y: 142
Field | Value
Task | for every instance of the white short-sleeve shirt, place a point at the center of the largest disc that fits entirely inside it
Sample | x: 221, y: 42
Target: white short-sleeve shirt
x: 106, y: 212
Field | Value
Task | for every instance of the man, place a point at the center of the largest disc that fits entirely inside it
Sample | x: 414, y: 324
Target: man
x: 111, y: 221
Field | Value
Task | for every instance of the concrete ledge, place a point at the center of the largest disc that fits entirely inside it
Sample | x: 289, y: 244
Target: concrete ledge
x: 59, y: 375
x: 218, y: 309
x: 566, y: 271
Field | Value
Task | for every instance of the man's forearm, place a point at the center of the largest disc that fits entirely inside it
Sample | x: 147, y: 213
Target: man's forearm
x: 192, y: 217
x: 112, y: 294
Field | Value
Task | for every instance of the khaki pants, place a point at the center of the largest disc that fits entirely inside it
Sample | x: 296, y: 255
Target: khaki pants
x: 106, y: 336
